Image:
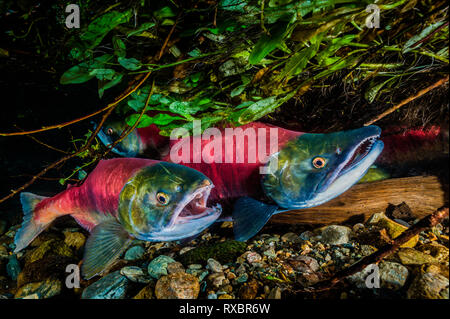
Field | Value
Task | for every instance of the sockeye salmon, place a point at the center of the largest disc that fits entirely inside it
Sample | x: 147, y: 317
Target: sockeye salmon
x: 122, y: 199
x: 310, y: 169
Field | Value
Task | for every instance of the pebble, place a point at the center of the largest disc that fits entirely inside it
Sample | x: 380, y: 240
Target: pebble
x: 429, y: 286
x: 249, y: 290
x: 112, y: 286
x: 158, y: 266
x: 177, y: 286
x: 195, y: 266
x: 291, y: 237
x: 275, y: 293
x: 392, y: 275
x: 410, y: 256
x: 175, y: 267
x: 185, y: 250
x: 335, y: 235
x: 135, y: 274
x: 134, y: 253
x: 304, y: 264
x: 242, y: 278
x: 13, y: 267
x: 39, y: 290
x: 216, y: 279
x: 253, y: 257
x: 214, y: 265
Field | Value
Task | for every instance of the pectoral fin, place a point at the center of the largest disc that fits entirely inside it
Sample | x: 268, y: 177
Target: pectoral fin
x: 249, y: 216
x: 107, y: 242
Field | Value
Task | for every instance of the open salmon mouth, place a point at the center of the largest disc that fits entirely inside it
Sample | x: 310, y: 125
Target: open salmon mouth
x: 194, y: 207
x: 358, y: 153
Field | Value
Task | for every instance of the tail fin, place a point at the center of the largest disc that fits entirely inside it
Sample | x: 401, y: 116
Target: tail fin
x: 249, y: 216
x: 30, y: 227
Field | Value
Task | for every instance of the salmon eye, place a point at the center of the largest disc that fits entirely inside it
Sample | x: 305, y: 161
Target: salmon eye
x: 319, y: 162
x: 109, y: 131
x: 162, y: 198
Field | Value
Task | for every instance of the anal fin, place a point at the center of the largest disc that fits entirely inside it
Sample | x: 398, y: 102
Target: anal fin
x: 249, y: 216
x: 107, y: 242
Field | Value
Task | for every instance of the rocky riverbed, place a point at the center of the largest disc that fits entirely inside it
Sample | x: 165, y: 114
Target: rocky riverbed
x: 273, y: 265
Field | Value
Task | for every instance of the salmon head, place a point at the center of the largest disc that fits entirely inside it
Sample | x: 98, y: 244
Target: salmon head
x: 130, y: 146
x: 315, y: 168
x: 165, y: 202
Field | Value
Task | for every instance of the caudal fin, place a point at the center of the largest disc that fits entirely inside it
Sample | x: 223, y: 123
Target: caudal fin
x: 30, y: 227
x: 249, y: 216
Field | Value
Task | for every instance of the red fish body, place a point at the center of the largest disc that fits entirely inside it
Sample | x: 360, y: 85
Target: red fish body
x: 240, y: 177
x: 96, y: 198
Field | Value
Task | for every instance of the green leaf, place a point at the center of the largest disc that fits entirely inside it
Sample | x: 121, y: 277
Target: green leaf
x: 84, y: 71
x: 159, y: 119
x: 100, y: 27
x: 103, y: 74
x: 165, y: 12
x: 119, y: 47
x: 410, y: 44
x: 267, y: 44
x: 142, y: 28
x: 130, y: 64
x: 144, y: 122
x: 103, y: 86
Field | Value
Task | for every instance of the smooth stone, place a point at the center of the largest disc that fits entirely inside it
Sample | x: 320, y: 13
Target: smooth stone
x: 304, y: 264
x: 13, y: 267
x: 335, y: 235
x: 213, y: 265
x: 185, y: 250
x: 195, y: 266
x: 275, y: 293
x: 158, y: 266
x: 112, y: 286
x: 253, y: 257
x: 393, y: 228
x: 134, y: 253
x: 242, y: 278
x: 291, y: 237
x: 177, y: 286
x: 428, y: 286
x: 410, y: 256
x: 216, y: 279
x: 175, y: 267
x: 39, y: 290
x: 249, y: 289
x: 393, y: 275
x: 135, y: 274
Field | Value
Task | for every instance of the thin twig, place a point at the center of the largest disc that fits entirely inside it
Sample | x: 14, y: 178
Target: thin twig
x: 109, y: 106
x: 79, y: 151
x: 425, y: 223
x: 161, y: 52
x: 409, y: 99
